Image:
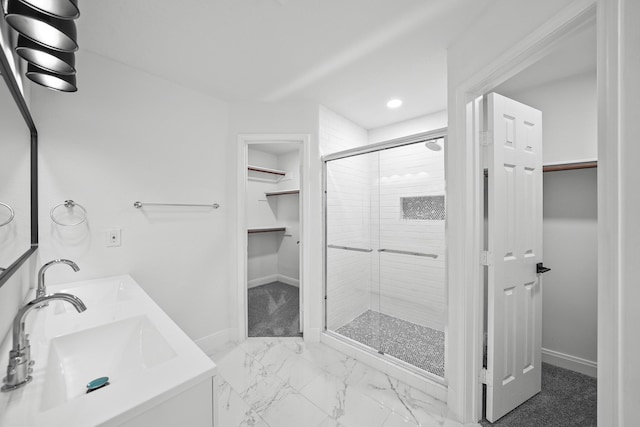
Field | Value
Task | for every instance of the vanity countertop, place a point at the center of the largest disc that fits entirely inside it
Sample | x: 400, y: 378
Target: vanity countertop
x: 124, y: 335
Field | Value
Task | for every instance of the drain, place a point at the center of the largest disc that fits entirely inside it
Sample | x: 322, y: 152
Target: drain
x: 98, y: 383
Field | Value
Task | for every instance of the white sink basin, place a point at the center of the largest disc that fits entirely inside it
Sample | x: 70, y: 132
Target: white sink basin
x: 117, y: 350
x: 122, y: 335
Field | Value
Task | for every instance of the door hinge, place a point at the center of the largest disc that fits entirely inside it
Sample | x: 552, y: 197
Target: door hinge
x: 486, y: 138
x: 483, y: 375
x: 486, y: 258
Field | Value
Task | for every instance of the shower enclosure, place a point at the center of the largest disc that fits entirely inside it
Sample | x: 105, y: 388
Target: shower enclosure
x: 385, y: 288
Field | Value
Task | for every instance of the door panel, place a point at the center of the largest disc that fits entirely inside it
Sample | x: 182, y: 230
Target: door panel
x: 515, y: 241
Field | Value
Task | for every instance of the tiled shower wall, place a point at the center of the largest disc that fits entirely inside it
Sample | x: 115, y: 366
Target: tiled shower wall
x: 348, y: 204
x: 348, y: 272
x: 408, y: 287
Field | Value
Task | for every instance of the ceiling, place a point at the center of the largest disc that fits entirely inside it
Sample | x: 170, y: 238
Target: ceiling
x: 350, y: 55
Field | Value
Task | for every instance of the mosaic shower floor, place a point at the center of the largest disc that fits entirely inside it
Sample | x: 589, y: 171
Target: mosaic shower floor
x: 415, y: 344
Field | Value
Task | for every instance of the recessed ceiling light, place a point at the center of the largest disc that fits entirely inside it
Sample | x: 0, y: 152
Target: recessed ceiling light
x: 394, y: 103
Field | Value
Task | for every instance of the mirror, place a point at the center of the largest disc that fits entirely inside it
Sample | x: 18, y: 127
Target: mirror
x: 17, y: 139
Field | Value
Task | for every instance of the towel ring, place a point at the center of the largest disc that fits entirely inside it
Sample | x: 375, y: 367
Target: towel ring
x: 12, y: 214
x: 69, y: 204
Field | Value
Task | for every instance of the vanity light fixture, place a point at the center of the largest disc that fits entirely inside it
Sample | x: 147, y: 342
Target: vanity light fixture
x: 54, y: 33
x: 49, y: 59
x: 60, y: 82
x: 394, y: 103
x: 63, y: 9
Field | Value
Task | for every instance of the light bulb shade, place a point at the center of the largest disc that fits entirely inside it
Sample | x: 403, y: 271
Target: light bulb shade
x: 63, y: 83
x: 48, y: 59
x: 54, y: 33
x: 63, y: 9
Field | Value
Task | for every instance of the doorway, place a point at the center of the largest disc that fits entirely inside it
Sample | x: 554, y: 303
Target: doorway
x: 271, y: 226
x: 566, y: 94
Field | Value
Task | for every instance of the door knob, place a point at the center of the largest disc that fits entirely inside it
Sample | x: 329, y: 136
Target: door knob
x: 541, y: 268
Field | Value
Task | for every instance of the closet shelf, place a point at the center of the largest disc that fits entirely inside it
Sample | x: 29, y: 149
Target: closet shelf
x: 265, y: 229
x: 570, y: 166
x: 266, y: 170
x: 282, y: 192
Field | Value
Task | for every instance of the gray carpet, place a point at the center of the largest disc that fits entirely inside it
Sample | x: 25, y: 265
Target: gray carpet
x: 567, y: 399
x: 415, y: 344
x: 274, y: 311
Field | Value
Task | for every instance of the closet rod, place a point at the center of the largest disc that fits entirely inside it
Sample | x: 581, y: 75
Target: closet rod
x: 570, y: 166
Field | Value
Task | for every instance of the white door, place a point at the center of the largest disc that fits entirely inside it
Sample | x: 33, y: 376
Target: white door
x: 514, y: 160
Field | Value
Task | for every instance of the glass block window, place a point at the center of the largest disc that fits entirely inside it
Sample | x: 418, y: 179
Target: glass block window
x: 423, y: 207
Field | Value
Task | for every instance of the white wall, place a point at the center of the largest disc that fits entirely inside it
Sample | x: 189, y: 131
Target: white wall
x: 12, y: 296
x: 570, y: 247
x: 127, y: 136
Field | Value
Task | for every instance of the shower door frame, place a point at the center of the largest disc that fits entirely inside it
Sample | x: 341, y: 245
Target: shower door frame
x: 414, y: 376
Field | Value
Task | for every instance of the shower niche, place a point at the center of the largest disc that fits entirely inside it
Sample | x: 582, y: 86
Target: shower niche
x: 385, y: 289
x: 273, y: 228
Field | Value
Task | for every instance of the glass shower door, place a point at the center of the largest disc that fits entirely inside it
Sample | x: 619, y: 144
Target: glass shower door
x: 351, y: 256
x: 411, y: 250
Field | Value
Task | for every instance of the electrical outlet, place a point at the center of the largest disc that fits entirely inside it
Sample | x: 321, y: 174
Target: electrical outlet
x: 113, y: 237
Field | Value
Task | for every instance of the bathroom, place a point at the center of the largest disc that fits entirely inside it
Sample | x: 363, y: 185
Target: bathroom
x: 135, y: 133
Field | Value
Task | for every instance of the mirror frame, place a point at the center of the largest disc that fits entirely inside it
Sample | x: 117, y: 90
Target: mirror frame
x: 16, y: 93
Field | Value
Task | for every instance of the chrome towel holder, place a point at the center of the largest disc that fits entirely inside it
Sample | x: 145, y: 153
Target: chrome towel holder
x: 69, y: 204
x: 12, y: 214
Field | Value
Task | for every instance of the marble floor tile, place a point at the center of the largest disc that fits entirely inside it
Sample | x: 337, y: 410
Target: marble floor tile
x: 293, y: 410
x: 295, y: 370
x: 281, y: 382
x: 407, y: 402
x: 329, y: 422
x: 344, y: 403
x: 395, y: 420
x: 330, y: 360
x: 240, y: 370
x: 233, y: 411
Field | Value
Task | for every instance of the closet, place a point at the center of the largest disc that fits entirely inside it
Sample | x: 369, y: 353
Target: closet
x: 273, y: 250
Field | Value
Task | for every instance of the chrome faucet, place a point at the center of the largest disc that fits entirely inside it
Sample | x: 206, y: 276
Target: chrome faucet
x: 20, y: 361
x: 42, y: 289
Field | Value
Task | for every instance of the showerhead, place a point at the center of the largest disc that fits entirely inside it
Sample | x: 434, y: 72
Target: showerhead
x: 433, y: 145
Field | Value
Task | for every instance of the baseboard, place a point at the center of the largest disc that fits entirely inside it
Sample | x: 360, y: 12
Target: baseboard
x: 212, y: 342
x: 289, y: 280
x: 572, y: 363
x: 262, y: 281
x: 273, y: 278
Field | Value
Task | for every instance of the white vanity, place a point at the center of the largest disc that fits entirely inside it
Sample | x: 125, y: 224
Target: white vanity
x: 157, y: 375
